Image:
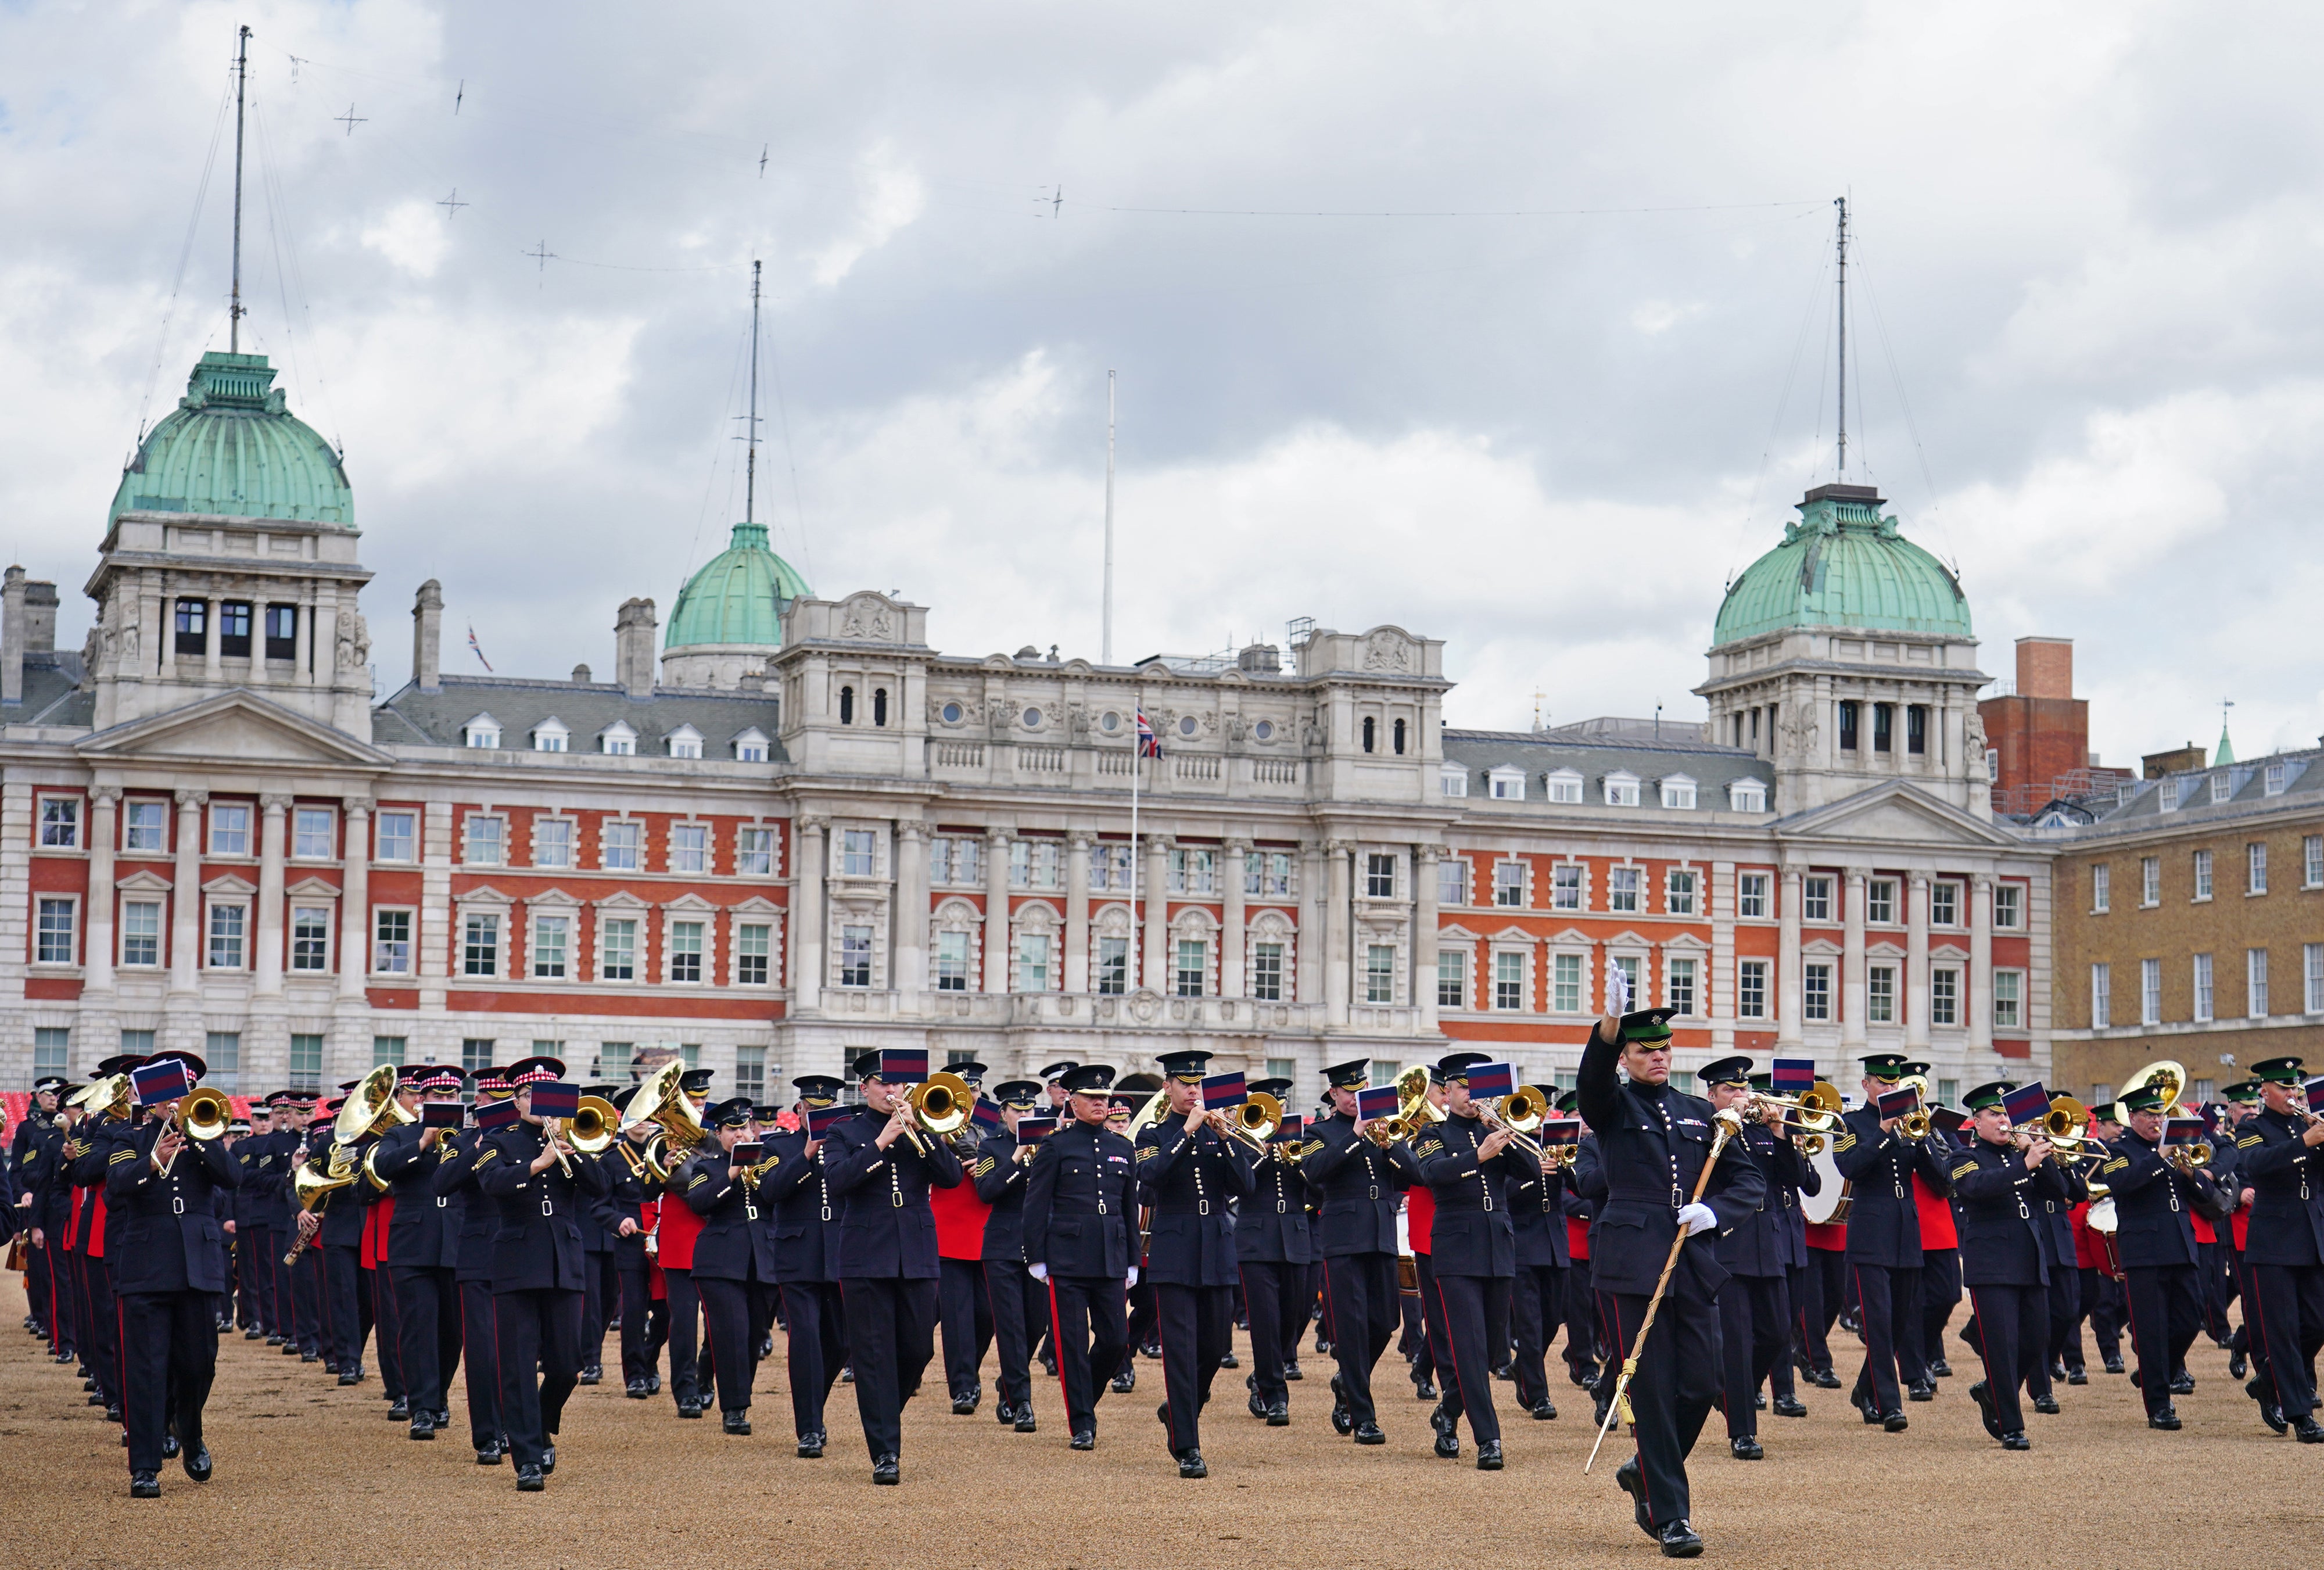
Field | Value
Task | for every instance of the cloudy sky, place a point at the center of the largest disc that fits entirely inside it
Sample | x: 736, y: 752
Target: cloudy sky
x: 1511, y: 324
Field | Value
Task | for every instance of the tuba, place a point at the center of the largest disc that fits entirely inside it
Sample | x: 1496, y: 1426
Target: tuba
x: 371, y: 1108
x: 662, y: 1104
x: 2170, y: 1077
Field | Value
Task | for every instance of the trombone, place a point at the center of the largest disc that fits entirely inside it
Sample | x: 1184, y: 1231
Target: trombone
x: 940, y: 1105
x: 1413, y: 1111
x: 1519, y: 1113
x: 1253, y: 1122
x: 1813, y: 1114
x: 594, y: 1126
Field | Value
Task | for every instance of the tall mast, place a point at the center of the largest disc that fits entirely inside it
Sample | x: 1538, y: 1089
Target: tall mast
x: 241, y: 78
x: 750, y: 456
x: 1105, y: 634
x: 1842, y: 203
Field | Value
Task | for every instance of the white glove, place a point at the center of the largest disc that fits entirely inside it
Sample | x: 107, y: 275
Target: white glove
x: 1618, y: 991
x: 1038, y: 1273
x: 1697, y: 1217
x: 1133, y: 1281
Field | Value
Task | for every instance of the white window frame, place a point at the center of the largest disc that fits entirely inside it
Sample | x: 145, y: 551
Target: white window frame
x: 1452, y: 780
x: 2101, y: 888
x: 750, y: 746
x: 1679, y: 900
x: 1374, y: 974
x: 463, y: 960
x: 702, y: 952
x: 1816, y: 888
x: 58, y: 822
x: 697, y: 851
x: 2255, y: 867
x: 757, y: 851
x: 241, y: 937
x: 382, y: 840
x: 2312, y: 967
x: 481, y: 849
x: 537, y: 948
x: 1945, y: 903
x: 1620, y: 788
x: 1562, y: 786
x: 42, y: 930
x: 754, y: 914
x: 2009, y: 999
x: 1508, y: 957
x: 1521, y: 886
x: 618, y: 740
x: 548, y: 828
x: 851, y: 841
x: 1880, y: 994
x: 1747, y: 796
x: 231, y: 811
x: 621, y: 845
x: 2009, y: 907
x: 2255, y: 991
x: 1751, y: 889
x: 1561, y: 960
x: 301, y: 833
x: 1690, y: 1006
x: 1751, y: 977
x: 2312, y: 861
x: 1878, y: 892
x: 1456, y: 967
x: 1272, y: 929
x: 328, y: 911
x: 956, y: 917
x: 2205, y: 981
x: 1816, y: 1003
x: 1193, y: 872
x: 1676, y: 792
x: 1455, y: 875
x: 2150, y: 991
x: 408, y: 942
x: 684, y: 742
x: 1945, y: 996
x: 160, y: 933
x: 2150, y: 879
x: 2222, y: 787
x: 1561, y: 885
x: 1635, y: 877
x: 2276, y: 777
x: 1382, y: 867
x: 1505, y: 783
x: 481, y: 731
x: 602, y: 952
x: 2101, y: 996
x: 552, y: 735
x: 133, y: 832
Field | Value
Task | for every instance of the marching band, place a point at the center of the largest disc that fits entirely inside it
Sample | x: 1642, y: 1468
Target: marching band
x: 1697, y: 1250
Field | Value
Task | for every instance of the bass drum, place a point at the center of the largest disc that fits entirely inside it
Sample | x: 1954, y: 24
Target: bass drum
x: 2101, y: 1217
x: 1830, y: 1205
x: 1407, y: 1268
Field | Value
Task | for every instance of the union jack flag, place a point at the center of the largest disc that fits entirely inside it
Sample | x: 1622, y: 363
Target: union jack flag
x: 477, y: 649
x: 1149, y: 746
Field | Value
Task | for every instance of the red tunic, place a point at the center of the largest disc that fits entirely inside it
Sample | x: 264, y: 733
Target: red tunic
x: 1419, y: 1216
x: 2086, y: 1247
x: 1830, y: 1237
x: 679, y: 1227
x: 960, y: 1222
x: 1577, y: 1237
x: 376, y: 1220
x: 96, y: 1228
x: 1936, y: 1216
x: 2204, y: 1231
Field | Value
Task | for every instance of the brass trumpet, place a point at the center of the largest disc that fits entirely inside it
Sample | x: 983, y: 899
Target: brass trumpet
x: 594, y: 1126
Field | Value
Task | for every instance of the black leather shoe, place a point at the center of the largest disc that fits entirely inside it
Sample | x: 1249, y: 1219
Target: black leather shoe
x: 1941, y: 1369
x: 2237, y: 1366
x: 1025, y: 1423
x: 2057, y: 1368
x: 1626, y: 1479
x: 2310, y: 1431
x: 170, y: 1447
x: 1542, y: 1410
x: 2016, y: 1442
x: 112, y: 1414
x: 2272, y: 1416
x: 1862, y: 1401
x: 529, y: 1480
x: 423, y: 1425
x: 1982, y: 1395
x: 547, y: 1460
x: 94, y: 1400
x: 1448, y: 1431
x: 1084, y: 1440
x: 1257, y: 1405
x: 144, y: 1485
x: 1747, y: 1448
x: 1230, y: 1361
x: 689, y: 1409
x: 198, y: 1464
x: 1370, y: 1434
x: 1488, y: 1456
x: 1004, y: 1412
x: 1049, y: 1367
x: 350, y: 1379
x: 1190, y: 1465
x: 273, y: 1341
x: 810, y: 1447
x: 1789, y: 1406
x: 1680, y: 1541
x: 1123, y: 1383
x: 737, y: 1423
x: 1423, y: 1391
x: 311, y: 1357
x: 2182, y: 1383
x: 1162, y: 1413
x: 653, y: 1384
x: 965, y: 1406
x: 489, y: 1455
x: 399, y: 1413
x: 1758, y: 1400
x: 591, y: 1376
x: 1823, y: 1379
x: 885, y: 1471
x: 847, y: 1375
x: 2167, y: 1417
x: 2047, y: 1405
x: 253, y: 1333
x: 1291, y: 1370
x: 88, y: 1384
x: 1278, y: 1414
x: 1343, y: 1421
x: 636, y: 1390
x: 2114, y: 1364
x: 1895, y: 1422
x: 1925, y: 1391
x: 2075, y: 1376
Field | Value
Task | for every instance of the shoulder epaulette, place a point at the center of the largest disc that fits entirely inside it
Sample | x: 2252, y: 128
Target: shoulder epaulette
x: 1964, y: 1169
x: 983, y: 1166
x: 2248, y: 1141
x: 121, y: 1155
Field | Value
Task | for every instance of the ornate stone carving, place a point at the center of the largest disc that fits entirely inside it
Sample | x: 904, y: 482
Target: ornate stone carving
x: 1387, y: 651
x: 354, y: 641
x: 868, y: 616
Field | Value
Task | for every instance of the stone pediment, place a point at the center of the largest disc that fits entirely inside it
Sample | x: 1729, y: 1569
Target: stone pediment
x: 1894, y: 813
x: 232, y: 728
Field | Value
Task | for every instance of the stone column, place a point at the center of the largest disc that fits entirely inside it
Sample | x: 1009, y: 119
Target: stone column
x: 186, y: 892
x: 908, y: 974
x: 1307, y: 953
x: 354, y: 899
x: 1426, y: 860
x: 1158, y: 913
x: 1916, y: 962
x: 1978, y: 1005
x: 1339, y: 926
x: 997, y: 978
x: 167, y: 662
x: 1851, y: 963
x: 213, y: 670
x: 807, y: 916
x: 1231, y: 934
x: 1787, y: 962
x: 266, y: 961
x: 1076, y: 976
x: 303, y: 659
x: 103, y: 804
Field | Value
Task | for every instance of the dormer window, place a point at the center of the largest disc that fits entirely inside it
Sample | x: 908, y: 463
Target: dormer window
x: 618, y: 740
x: 483, y: 731
x: 1565, y: 785
x: 1508, y: 783
x: 550, y: 735
x: 1622, y: 789
x: 684, y: 742
x: 1677, y: 792
x: 2222, y: 787
x: 1747, y: 796
x: 2275, y: 778
x: 1453, y: 780
x: 750, y: 746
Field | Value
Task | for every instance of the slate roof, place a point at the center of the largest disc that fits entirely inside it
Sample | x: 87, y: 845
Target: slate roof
x: 2303, y: 791
x: 1712, y: 768
x: 413, y: 719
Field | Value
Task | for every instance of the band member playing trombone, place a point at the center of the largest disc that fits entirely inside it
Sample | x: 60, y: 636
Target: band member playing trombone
x: 880, y: 1165
x: 2002, y: 1182
x: 1274, y: 1246
x: 1755, y: 1307
x: 1080, y: 1222
x: 538, y: 1183
x: 1356, y: 1236
x: 167, y: 1253
x: 2155, y: 1195
x: 2283, y: 1250
x: 1879, y: 1155
x: 1653, y: 1144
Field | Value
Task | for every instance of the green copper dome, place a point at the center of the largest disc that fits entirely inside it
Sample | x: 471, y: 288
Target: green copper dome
x: 1843, y: 565
x: 739, y: 597
x: 230, y: 447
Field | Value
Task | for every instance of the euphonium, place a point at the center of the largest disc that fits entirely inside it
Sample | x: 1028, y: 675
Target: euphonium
x: 593, y: 1125
x: 371, y: 1108
x: 661, y: 1102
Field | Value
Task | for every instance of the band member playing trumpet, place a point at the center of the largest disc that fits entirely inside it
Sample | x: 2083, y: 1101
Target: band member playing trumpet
x: 167, y: 1253
x: 2002, y: 1181
x: 1272, y: 1249
x: 1019, y: 1303
x: 880, y: 1165
x: 1188, y: 1171
x: 2155, y: 1197
x: 1884, y: 1240
x: 423, y: 1251
x: 1355, y: 1237
x: 1755, y: 1307
x: 733, y: 1255
x: 1653, y: 1144
x: 1080, y: 1241
x: 2283, y: 1249
x: 539, y: 1184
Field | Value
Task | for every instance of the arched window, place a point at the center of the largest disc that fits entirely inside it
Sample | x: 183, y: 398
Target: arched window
x: 878, y: 706
x: 1399, y: 738
x: 847, y: 705
x: 1369, y: 726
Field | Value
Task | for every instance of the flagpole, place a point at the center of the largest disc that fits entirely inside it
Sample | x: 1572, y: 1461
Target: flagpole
x: 1137, y: 931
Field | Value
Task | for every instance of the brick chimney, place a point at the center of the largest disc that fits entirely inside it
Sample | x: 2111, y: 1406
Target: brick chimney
x: 428, y: 637
x: 12, y: 632
x: 633, y: 647
x: 2045, y: 667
